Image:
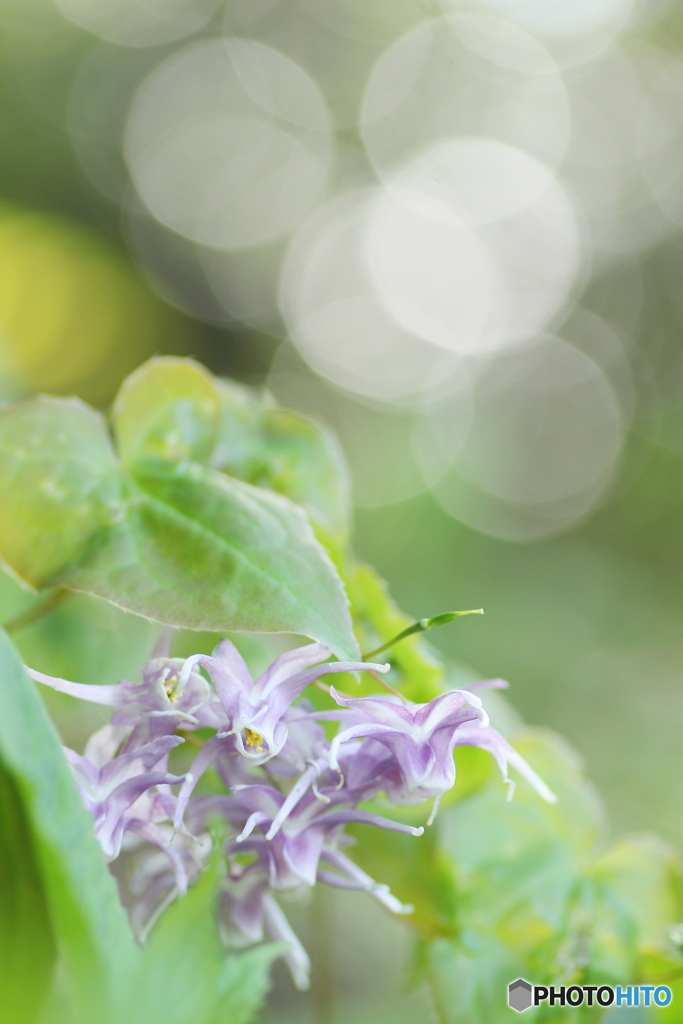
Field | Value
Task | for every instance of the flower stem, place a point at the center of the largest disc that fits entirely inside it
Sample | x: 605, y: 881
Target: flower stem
x: 194, y: 741
x: 419, y: 627
x: 36, y: 611
x: 389, y: 688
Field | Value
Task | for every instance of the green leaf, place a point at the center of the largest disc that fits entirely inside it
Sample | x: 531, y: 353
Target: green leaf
x: 163, y: 535
x: 185, y: 975
x: 79, y: 895
x: 285, y: 452
x: 60, y: 484
x: 518, y: 861
x: 540, y: 897
x: 169, y: 408
x: 27, y: 942
x: 673, y: 1013
x: 57, y: 896
x: 630, y: 895
x: 469, y: 979
x: 196, y: 549
x: 245, y: 981
x: 174, y: 409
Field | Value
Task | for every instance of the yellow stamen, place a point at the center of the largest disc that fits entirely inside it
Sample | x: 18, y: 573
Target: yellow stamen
x: 253, y: 739
x: 170, y: 686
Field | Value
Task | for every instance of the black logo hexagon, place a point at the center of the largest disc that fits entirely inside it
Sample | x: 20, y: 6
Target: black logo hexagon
x: 519, y: 995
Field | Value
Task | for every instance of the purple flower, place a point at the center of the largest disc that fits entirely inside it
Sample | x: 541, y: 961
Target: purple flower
x: 255, y: 711
x: 300, y: 852
x: 290, y: 854
x: 489, y: 739
x: 155, y: 707
x: 115, y: 789
x: 290, y: 792
x: 419, y: 740
x: 256, y: 714
x: 248, y: 913
x: 150, y: 875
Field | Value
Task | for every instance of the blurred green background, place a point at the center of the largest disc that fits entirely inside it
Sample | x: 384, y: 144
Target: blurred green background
x: 453, y: 231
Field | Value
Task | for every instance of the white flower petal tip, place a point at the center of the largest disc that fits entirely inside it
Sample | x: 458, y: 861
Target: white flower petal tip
x: 537, y: 783
x: 526, y: 771
x: 185, y: 674
x: 475, y: 702
x: 541, y: 788
x: 435, y: 810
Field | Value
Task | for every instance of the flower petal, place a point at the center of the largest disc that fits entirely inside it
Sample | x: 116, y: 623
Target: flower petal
x: 204, y: 759
x: 229, y: 686
x: 355, y: 874
x: 226, y: 652
x: 489, y: 739
x: 280, y: 930
x: 110, y: 826
x: 300, y: 787
x: 378, y: 709
x: 287, y: 665
x: 114, y: 695
x: 281, y: 696
x: 143, y: 758
x: 353, y: 816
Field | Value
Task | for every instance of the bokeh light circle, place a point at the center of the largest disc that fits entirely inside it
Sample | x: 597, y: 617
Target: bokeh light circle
x: 139, y: 22
x: 375, y: 436
x: 228, y: 143
x: 545, y: 433
x: 338, y: 322
x: 466, y: 75
x: 563, y: 18
x: 474, y: 245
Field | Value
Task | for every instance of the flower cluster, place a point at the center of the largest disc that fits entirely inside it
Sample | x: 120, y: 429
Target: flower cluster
x: 286, y: 792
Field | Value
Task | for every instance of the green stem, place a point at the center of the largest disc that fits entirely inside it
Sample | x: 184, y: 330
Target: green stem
x: 36, y: 611
x: 419, y: 627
